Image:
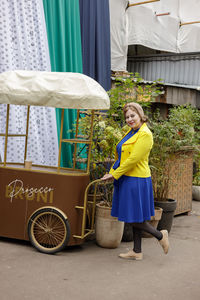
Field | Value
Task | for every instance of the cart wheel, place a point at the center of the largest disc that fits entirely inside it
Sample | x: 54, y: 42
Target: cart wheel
x: 48, y: 230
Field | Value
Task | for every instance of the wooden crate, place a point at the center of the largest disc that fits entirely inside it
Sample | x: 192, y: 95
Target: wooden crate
x: 181, y: 174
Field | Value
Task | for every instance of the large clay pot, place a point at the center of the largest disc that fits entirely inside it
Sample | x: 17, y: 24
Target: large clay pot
x: 196, y: 192
x: 169, y: 208
x: 108, y: 229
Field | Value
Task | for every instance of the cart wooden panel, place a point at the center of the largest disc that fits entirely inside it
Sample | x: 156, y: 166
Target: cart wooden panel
x: 24, y: 191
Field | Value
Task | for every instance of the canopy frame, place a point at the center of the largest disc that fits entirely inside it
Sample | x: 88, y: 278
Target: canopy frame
x: 74, y: 141
x: 53, y: 89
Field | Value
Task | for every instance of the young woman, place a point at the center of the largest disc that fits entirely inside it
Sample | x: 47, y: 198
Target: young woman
x: 133, y: 193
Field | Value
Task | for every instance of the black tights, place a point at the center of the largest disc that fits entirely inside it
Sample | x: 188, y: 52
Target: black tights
x: 137, y: 234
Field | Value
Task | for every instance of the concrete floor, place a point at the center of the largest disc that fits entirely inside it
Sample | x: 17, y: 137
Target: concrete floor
x: 93, y: 273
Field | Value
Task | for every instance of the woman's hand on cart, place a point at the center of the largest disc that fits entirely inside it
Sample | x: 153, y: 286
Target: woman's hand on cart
x: 107, y: 177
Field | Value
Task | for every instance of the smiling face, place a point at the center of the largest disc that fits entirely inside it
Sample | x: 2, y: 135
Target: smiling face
x: 132, y: 119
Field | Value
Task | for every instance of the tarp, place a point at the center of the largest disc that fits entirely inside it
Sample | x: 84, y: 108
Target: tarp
x: 119, y: 34
x: 146, y: 28
x: 155, y: 25
x: 189, y: 38
x: 52, y: 89
x: 189, y: 34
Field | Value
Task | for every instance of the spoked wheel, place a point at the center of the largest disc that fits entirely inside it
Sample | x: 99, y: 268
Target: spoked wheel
x: 48, y: 230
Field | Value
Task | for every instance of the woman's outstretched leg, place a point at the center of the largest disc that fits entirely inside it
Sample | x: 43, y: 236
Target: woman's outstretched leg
x: 136, y: 253
x: 162, y: 236
x: 147, y: 227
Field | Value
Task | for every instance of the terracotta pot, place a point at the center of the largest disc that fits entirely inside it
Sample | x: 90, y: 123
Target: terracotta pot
x: 108, y: 229
x: 99, y: 197
x: 196, y: 192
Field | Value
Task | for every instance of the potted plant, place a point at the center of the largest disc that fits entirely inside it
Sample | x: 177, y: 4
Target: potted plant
x: 108, y: 230
x: 173, y: 136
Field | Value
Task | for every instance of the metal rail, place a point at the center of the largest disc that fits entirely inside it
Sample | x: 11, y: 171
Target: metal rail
x: 86, y: 231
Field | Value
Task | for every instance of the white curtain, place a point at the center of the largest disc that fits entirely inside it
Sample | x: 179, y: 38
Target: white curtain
x: 24, y: 46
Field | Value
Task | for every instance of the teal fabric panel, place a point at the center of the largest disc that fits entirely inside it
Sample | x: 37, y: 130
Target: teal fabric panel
x: 64, y: 38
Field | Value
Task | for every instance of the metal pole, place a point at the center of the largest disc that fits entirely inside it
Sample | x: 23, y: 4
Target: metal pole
x: 75, y: 146
x: 6, y: 135
x: 90, y: 139
x: 61, y: 135
x: 27, y: 128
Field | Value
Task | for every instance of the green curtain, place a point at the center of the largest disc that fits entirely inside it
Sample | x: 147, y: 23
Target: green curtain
x: 64, y: 38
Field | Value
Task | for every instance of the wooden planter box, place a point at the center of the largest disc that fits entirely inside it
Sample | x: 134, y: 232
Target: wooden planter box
x: 181, y: 174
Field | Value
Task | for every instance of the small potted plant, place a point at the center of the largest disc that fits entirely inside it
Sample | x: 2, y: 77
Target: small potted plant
x: 108, y: 229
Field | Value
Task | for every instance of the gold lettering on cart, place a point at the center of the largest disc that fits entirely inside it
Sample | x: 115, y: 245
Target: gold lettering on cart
x: 16, y: 190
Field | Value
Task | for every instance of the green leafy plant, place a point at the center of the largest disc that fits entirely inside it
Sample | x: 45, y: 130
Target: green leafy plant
x: 109, y: 127
x: 132, y: 89
x: 180, y: 129
x: 178, y: 133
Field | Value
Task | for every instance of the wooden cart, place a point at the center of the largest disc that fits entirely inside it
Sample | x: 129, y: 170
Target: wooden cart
x: 44, y: 204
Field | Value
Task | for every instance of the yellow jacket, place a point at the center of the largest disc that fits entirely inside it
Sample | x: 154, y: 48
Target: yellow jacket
x: 135, y: 155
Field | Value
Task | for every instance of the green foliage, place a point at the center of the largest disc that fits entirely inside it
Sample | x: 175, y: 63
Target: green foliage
x: 109, y: 127
x: 106, y: 134
x: 180, y: 129
x: 178, y: 133
x: 132, y: 89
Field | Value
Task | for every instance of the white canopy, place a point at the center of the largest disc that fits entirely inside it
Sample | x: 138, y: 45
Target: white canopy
x: 52, y: 89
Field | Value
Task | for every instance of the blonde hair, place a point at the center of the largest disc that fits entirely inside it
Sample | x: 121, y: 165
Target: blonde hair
x: 137, y: 108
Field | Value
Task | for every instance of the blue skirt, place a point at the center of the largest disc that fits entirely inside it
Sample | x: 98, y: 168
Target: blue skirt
x: 133, y: 200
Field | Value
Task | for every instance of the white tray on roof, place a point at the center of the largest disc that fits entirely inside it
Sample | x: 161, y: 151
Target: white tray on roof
x: 52, y: 89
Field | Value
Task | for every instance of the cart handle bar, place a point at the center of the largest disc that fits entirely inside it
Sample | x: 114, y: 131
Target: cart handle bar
x: 84, y: 231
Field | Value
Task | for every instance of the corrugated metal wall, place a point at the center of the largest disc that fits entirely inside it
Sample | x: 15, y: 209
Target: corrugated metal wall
x: 179, y: 72
x: 180, y: 69
x: 176, y: 95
